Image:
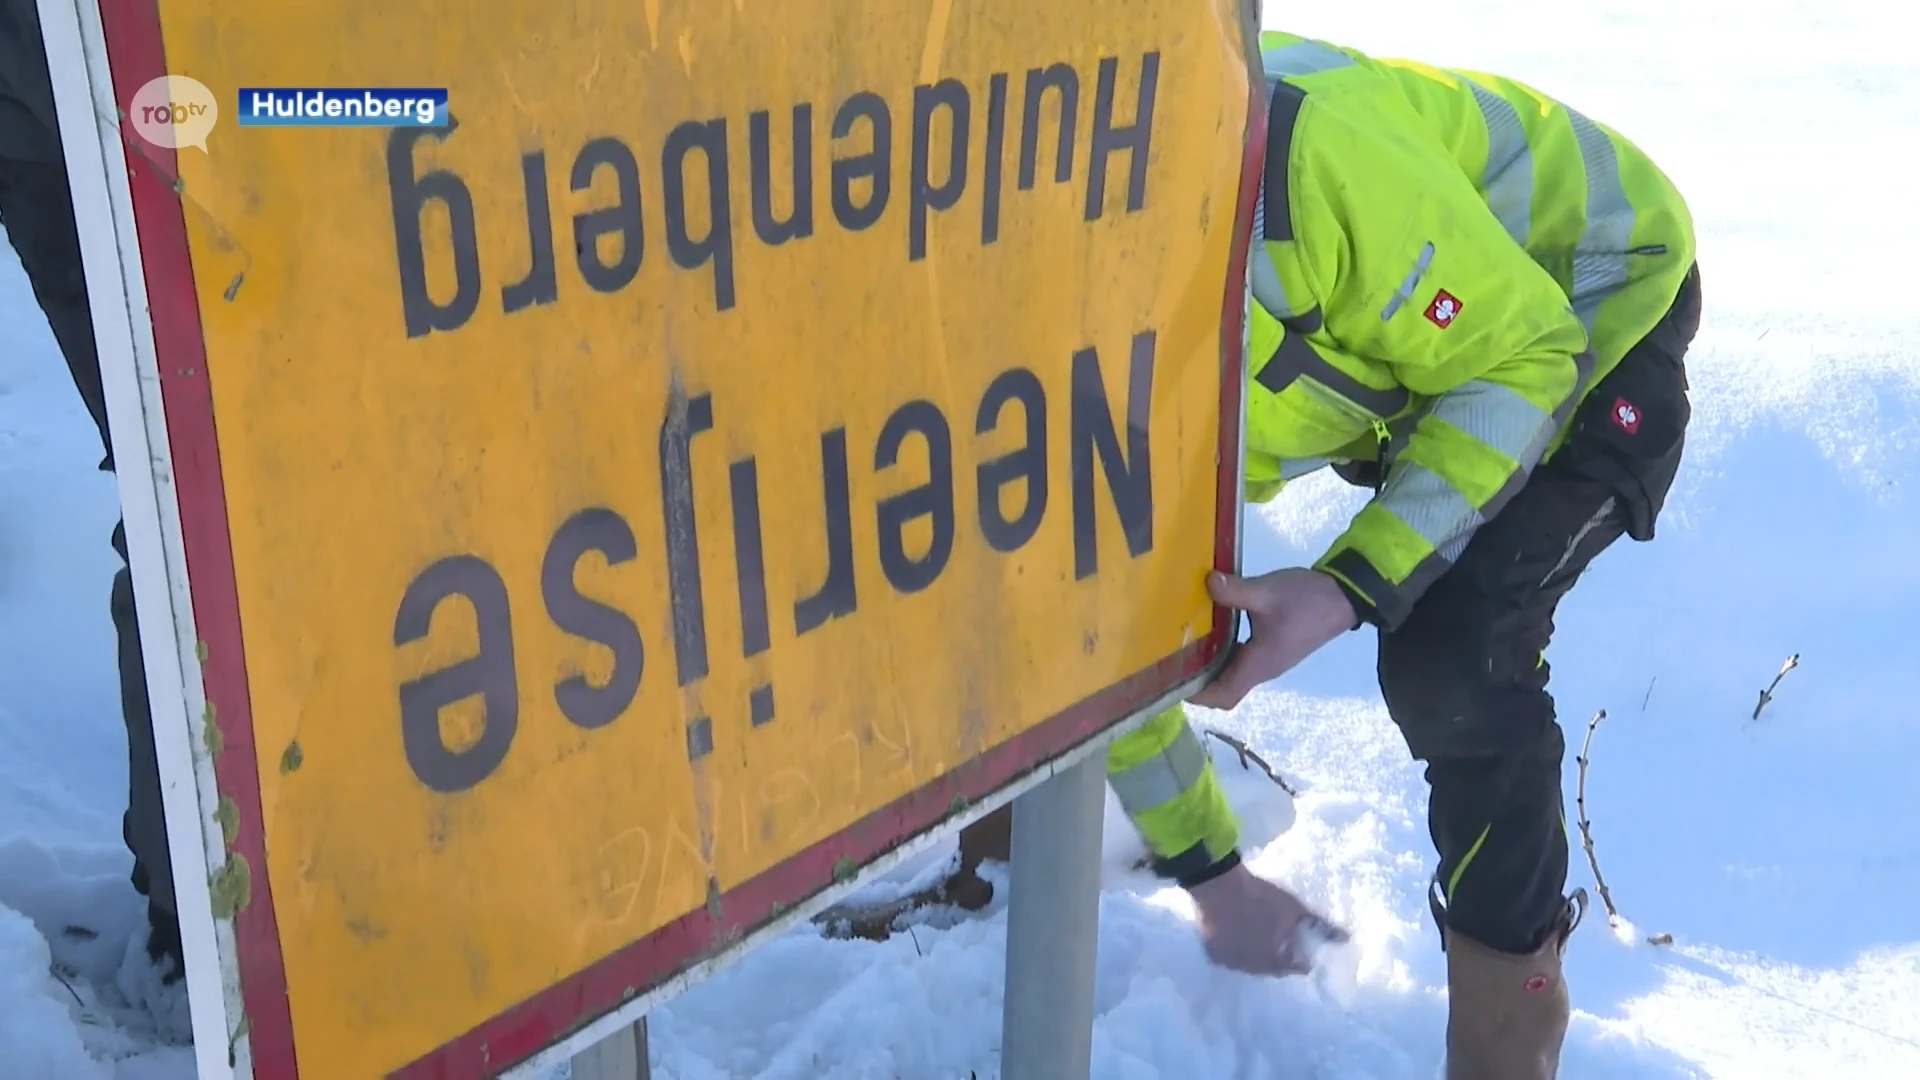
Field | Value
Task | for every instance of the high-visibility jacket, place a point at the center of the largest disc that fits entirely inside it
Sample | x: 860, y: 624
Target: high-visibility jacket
x: 1445, y: 263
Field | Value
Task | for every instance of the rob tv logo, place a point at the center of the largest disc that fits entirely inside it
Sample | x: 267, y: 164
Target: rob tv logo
x: 174, y: 111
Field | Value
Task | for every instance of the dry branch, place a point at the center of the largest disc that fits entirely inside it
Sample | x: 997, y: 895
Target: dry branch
x: 1247, y: 754
x: 990, y: 839
x: 1614, y: 918
x: 1586, y: 828
x: 880, y: 921
x: 62, y: 980
x: 1767, y: 694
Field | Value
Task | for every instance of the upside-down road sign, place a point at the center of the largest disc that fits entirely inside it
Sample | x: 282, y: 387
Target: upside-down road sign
x: 591, y: 520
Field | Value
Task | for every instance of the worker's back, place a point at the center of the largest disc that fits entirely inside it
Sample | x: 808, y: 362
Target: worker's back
x: 1589, y: 206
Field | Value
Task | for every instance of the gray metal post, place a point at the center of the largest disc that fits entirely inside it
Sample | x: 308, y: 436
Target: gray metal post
x: 1053, y: 911
x: 620, y: 1056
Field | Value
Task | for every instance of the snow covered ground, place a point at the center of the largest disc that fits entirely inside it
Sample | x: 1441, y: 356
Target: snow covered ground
x: 1781, y: 853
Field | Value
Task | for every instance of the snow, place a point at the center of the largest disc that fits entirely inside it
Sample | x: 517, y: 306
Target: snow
x: 1777, y: 852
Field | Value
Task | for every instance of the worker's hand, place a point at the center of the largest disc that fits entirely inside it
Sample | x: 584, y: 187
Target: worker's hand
x: 1293, y: 612
x: 1250, y: 924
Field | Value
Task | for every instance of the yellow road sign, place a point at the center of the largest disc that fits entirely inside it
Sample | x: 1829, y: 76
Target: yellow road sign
x: 742, y: 437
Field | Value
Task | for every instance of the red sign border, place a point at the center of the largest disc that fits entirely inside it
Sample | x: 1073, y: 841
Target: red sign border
x: 136, y: 54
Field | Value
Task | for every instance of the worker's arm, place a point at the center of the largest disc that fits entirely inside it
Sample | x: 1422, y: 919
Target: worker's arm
x: 1482, y: 329
x: 1165, y: 782
x: 1277, y: 437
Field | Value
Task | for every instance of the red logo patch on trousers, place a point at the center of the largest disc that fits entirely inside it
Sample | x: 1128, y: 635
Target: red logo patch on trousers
x: 1626, y: 416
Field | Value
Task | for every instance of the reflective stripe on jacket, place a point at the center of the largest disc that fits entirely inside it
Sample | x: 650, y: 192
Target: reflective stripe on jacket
x: 1452, y: 259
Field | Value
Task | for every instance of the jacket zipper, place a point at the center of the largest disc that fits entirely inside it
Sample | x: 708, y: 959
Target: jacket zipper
x: 1384, y: 438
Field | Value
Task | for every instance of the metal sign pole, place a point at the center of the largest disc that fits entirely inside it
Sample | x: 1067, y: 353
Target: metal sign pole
x: 620, y: 1056
x: 1053, y: 915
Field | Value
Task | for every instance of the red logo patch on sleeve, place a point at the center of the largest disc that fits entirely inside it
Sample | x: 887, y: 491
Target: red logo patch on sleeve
x: 1444, y: 309
x: 1625, y: 416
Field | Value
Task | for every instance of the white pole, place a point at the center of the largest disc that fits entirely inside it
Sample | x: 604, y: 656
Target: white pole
x: 1053, y: 911
x: 620, y: 1056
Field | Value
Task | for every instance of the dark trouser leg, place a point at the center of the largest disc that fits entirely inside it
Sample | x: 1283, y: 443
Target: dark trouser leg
x: 36, y: 206
x: 144, y: 825
x: 1466, y: 680
x: 1465, y: 677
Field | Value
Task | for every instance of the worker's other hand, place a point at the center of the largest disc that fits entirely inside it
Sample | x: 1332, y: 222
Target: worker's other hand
x: 1252, y: 925
x: 1293, y: 612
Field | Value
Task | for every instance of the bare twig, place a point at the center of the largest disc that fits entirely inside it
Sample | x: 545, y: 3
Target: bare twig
x: 963, y: 888
x: 62, y: 980
x: 1586, y: 829
x: 1649, y: 697
x: 1247, y: 754
x: 1614, y: 918
x: 1767, y: 694
x: 876, y: 921
x: 917, y: 951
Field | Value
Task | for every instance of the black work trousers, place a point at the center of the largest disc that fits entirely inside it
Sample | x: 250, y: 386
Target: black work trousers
x: 1465, y: 676
x: 36, y: 207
